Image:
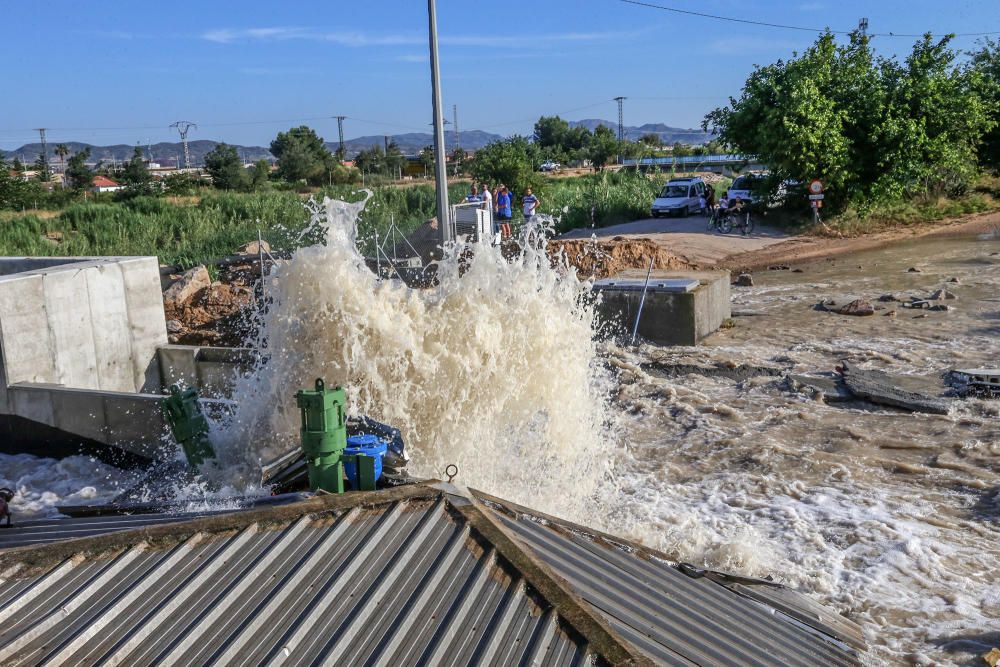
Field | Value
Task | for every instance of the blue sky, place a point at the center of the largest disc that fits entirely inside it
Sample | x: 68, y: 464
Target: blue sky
x: 121, y: 72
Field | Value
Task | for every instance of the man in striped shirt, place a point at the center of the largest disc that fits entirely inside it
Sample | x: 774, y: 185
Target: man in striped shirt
x: 529, y: 204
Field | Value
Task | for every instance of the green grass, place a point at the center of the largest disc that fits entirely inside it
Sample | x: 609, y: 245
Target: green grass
x: 187, y: 234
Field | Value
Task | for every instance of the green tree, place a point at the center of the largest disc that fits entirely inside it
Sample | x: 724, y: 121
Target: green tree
x: 224, y: 165
x: 507, y: 161
x: 986, y: 62
x: 302, y: 155
x: 872, y: 129
x: 15, y: 192
x: 603, y: 147
x: 651, y: 139
x: 371, y: 160
x: 427, y: 159
x: 62, y: 150
x: 77, y: 171
x: 135, y: 175
x: 551, y: 132
x: 395, y: 161
x: 259, y: 174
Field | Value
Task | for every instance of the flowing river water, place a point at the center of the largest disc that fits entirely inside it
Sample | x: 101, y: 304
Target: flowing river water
x: 889, y: 517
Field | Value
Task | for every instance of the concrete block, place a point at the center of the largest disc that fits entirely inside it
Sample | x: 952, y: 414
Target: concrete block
x: 141, y: 277
x: 27, y: 345
x: 674, y: 313
x: 33, y: 402
x: 80, y: 412
x: 71, y: 328
x: 112, y: 340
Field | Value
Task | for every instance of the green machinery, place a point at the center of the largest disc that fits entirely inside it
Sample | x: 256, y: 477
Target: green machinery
x: 188, y: 424
x: 324, y: 439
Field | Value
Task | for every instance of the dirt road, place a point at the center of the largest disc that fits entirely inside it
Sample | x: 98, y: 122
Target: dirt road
x: 688, y: 238
x: 692, y: 244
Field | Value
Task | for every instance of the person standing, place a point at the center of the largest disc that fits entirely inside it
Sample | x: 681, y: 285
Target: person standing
x: 529, y: 204
x: 503, y: 211
x: 473, y: 195
x: 709, y: 198
x: 487, y: 197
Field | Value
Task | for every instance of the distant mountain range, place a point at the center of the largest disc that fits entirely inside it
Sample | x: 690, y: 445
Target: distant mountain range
x: 168, y: 153
x: 667, y: 134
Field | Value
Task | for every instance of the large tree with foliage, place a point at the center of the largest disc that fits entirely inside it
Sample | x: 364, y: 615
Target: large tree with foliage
x: 604, y: 146
x: 224, y: 165
x: 135, y: 175
x: 302, y: 155
x: 15, y: 191
x: 872, y: 129
x: 79, y: 174
x: 985, y: 61
x: 508, y: 161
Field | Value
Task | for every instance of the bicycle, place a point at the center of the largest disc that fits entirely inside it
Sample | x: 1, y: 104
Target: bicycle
x: 720, y: 220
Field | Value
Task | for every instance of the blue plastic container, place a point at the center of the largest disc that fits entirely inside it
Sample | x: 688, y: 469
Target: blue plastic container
x: 369, y: 445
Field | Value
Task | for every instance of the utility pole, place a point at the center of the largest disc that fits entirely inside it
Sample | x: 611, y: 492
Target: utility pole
x: 385, y: 142
x: 458, y: 137
x: 863, y: 27
x: 440, y: 165
x: 182, y: 127
x: 45, y: 154
x: 340, y: 131
x: 621, y: 126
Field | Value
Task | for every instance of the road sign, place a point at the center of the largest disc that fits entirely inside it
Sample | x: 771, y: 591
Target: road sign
x: 816, y: 197
x: 816, y: 203
x: 816, y: 186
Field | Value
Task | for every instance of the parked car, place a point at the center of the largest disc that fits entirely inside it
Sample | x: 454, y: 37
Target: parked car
x: 680, y: 196
x: 747, y: 188
x: 549, y: 165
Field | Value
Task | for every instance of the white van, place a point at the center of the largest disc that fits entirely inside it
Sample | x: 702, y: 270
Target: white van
x: 680, y: 196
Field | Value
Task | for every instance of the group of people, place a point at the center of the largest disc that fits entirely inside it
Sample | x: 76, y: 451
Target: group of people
x: 708, y: 204
x: 501, y: 204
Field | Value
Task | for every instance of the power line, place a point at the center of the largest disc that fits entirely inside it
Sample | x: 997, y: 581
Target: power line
x: 788, y: 27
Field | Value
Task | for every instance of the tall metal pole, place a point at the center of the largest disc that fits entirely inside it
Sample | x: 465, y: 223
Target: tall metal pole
x: 440, y: 165
x: 621, y: 126
x: 340, y: 131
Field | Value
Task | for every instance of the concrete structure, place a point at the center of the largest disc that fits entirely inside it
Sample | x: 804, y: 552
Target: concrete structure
x: 680, y: 308
x: 84, y: 358
x: 423, y: 574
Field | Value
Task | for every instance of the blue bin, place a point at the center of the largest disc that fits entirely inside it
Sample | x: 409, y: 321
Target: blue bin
x: 369, y: 445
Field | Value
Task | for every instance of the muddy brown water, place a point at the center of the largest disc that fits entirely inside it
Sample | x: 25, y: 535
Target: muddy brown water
x: 890, y: 517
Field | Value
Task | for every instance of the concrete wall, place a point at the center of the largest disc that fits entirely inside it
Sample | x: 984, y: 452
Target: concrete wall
x: 211, y: 370
x: 130, y: 422
x: 87, y: 324
x: 669, y: 318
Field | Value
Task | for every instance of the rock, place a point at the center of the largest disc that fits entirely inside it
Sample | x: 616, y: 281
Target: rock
x: 858, y: 307
x: 941, y: 306
x: 921, y: 315
x: 190, y: 283
x: 941, y: 295
x: 778, y: 267
x: 254, y: 248
x: 744, y: 280
x: 917, y: 303
x: 797, y: 271
x: 888, y: 297
x: 992, y: 658
x: 954, y: 280
x: 891, y: 313
x: 174, y: 327
x: 913, y: 269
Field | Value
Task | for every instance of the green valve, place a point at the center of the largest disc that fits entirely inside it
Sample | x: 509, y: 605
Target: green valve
x: 188, y: 424
x: 324, y: 435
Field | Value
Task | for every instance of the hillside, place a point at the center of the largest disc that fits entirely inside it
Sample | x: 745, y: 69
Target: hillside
x: 667, y: 133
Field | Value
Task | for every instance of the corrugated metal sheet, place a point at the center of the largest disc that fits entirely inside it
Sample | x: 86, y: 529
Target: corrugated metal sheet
x: 402, y: 583
x: 41, y: 531
x: 418, y: 575
x: 674, y: 618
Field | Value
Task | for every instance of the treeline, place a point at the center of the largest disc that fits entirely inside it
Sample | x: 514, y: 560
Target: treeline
x: 874, y: 130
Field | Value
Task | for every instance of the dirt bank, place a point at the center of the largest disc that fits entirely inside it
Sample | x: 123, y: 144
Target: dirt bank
x: 806, y: 248
x: 602, y: 258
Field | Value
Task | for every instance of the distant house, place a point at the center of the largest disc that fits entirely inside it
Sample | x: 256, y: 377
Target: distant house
x: 105, y: 184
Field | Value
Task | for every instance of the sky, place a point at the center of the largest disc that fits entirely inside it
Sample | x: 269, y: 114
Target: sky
x: 121, y: 72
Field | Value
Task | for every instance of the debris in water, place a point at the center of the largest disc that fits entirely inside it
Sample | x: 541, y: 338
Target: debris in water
x: 744, y: 280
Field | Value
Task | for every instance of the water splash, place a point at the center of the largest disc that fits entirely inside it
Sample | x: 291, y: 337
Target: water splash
x: 494, y: 369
